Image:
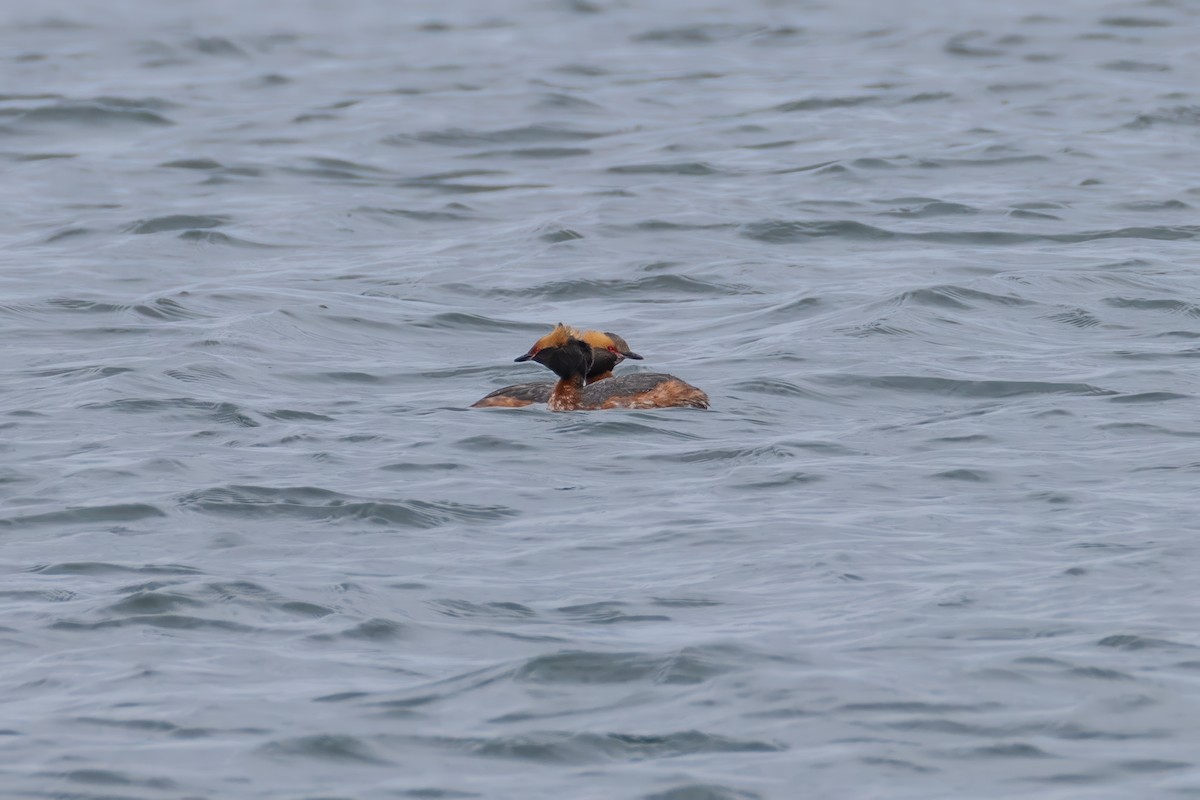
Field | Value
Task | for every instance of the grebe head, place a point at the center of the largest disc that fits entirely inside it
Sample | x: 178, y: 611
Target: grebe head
x: 608, y: 350
x: 563, y: 351
x: 555, y: 338
x: 603, y: 341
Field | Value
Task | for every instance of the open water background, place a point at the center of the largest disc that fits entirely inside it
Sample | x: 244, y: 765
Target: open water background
x: 936, y: 265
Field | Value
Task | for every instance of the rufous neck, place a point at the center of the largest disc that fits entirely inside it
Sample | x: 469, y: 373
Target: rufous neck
x: 567, y: 394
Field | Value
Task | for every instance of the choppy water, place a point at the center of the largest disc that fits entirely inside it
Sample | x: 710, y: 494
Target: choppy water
x: 936, y: 267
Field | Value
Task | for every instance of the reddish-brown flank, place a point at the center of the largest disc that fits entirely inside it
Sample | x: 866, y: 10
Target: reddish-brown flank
x: 501, y: 401
x: 668, y: 394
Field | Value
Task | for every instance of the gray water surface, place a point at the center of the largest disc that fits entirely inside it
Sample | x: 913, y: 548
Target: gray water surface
x: 935, y: 264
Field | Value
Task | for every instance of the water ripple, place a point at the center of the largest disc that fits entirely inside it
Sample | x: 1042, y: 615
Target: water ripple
x: 310, y: 503
x: 783, y: 231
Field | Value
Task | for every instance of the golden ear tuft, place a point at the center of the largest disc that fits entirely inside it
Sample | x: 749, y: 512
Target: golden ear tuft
x: 557, y: 337
x: 598, y: 339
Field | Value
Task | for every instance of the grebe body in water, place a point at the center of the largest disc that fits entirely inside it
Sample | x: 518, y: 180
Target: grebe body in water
x: 608, y: 350
x: 570, y: 358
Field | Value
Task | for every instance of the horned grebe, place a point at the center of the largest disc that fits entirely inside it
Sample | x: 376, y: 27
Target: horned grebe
x: 608, y: 350
x: 570, y: 358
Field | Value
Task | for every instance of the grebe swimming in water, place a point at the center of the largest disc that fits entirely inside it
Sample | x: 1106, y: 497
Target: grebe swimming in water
x: 571, y: 359
x: 608, y: 350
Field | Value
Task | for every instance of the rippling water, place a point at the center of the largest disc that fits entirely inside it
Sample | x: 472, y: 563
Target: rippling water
x: 935, y: 266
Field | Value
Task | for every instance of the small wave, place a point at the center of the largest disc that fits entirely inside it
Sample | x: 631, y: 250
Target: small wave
x: 1128, y: 65
x: 349, y: 377
x: 1155, y: 205
x: 314, y: 504
x: 167, y: 621
x: 822, y: 103
x: 289, y: 415
x: 560, y: 235
x: 326, y: 747
x: 167, y: 308
x: 471, y: 188
x: 336, y: 169
x: 968, y: 475
x: 1135, y: 642
x: 85, y: 306
x: 193, y: 163
x: 976, y: 44
x: 688, y: 666
x: 256, y: 595
x: 416, y: 215
x: 121, y: 512
x: 213, y: 411
x: 695, y: 34
x: 1018, y: 86
x: 565, y: 747
x: 959, y: 297
x: 459, y: 137
x: 458, y: 320
x: 1076, y: 317
x: 1135, y: 22
x: 376, y: 629
x: 934, y: 209
x: 786, y: 231
x: 585, y: 70
x: 198, y: 374
x: 741, y: 455
x: 928, y: 97
x: 1154, y: 304
x: 667, y: 225
x: 1099, y: 673
x: 1174, y: 115
x: 106, y: 568
x: 27, y: 157
x: 561, y: 101
x: 918, y: 707
x: 775, y: 386
x: 621, y: 428
x: 780, y: 481
x: 968, y: 438
x: 98, y: 111
x: 874, y: 163
x: 877, y: 328
x: 1149, y: 397
x: 155, y: 725
x: 216, y: 46
x: 1004, y: 750
x: 651, y: 289
x: 421, y: 467
x: 88, y: 372
x: 1033, y: 215
x: 701, y: 791
x: 152, y: 602
x: 951, y: 387
x: 216, y: 237
x: 782, y: 231
x: 112, y: 778
x: 468, y: 610
x: 771, y: 145
x: 535, y: 153
x: 607, y: 613
x: 674, y: 168
x: 176, y: 222
x: 67, y: 233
